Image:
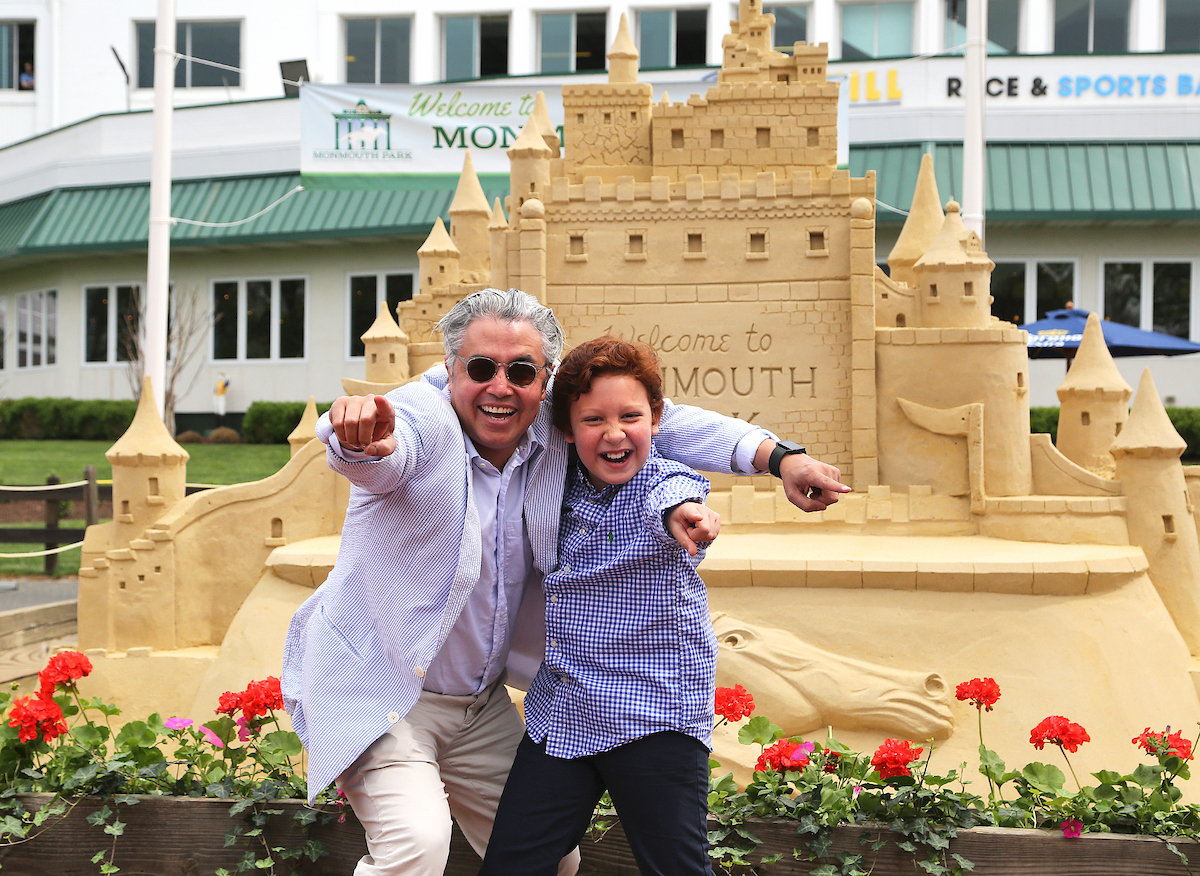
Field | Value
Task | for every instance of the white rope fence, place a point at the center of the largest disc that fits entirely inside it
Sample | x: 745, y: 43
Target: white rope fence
x: 43, y: 553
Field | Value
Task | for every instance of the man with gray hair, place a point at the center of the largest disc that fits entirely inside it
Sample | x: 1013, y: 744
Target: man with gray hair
x: 394, y: 672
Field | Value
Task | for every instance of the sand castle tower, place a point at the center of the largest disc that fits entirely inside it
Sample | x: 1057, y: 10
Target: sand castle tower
x: 386, y: 350
x: 149, y: 470
x: 921, y: 226
x: 1159, y: 514
x: 530, y: 166
x: 953, y: 275
x: 306, y: 429
x: 1094, y: 402
x: 469, y: 215
x: 499, y: 246
x: 438, y: 259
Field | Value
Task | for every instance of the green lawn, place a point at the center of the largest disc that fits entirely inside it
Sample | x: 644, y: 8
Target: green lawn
x: 68, y: 561
x: 31, y: 462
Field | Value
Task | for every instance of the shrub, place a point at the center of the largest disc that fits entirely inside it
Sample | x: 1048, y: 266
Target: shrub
x: 191, y: 436
x: 1187, y: 423
x: 272, y: 422
x: 65, y: 418
x: 1044, y: 420
x: 224, y: 435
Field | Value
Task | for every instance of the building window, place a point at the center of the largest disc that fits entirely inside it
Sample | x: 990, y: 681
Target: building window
x: 218, y: 42
x: 475, y: 46
x: 367, y: 292
x: 258, y: 319
x: 1023, y: 291
x: 791, y: 27
x: 111, y: 323
x: 1183, y: 26
x: 16, y: 56
x: 573, y: 41
x: 1155, y: 296
x: 377, y: 49
x: 37, y: 329
x: 673, y: 38
x: 1003, y: 26
x: 876, y: 30
x: 1083, y: 27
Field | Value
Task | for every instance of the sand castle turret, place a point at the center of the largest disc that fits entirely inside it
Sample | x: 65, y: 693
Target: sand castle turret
x: 541, y: 115
x: 1094, y: 402
x: 306, y: 429
x: 149, y: 470
x: 438, y: 259
x: 623, y: 56
x: 499, y: 247
x: 1146, y: 456
x: 924, y: 221
x: 387, y: 355
x: 530, y: 166
x: 954, y: 277
x: 469, y: 215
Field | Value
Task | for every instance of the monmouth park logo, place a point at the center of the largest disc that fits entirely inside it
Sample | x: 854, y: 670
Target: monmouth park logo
x: 362, y: 128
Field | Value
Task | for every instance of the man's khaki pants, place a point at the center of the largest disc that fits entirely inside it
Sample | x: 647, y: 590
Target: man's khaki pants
x: 450, y: 756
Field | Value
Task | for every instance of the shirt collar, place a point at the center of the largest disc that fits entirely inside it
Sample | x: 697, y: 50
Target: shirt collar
x: 526, y: 448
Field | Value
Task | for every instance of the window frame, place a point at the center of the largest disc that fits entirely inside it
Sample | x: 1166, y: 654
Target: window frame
x: 1146, y: 289
x: 112, y: 328
x: 994, y: 48
x: 241, y: 329
x: 1030, y: 302
x: 771, y: 7
x: 380, y: 297
x: 378, y: 20
x: 19, y: 57
x: 672, y: 34
x: 186, y: 65
x: 1091, y: 31
x: 48, y: 352
x: 476, y: 52
x: 573, y: 53
x: 840, y: 41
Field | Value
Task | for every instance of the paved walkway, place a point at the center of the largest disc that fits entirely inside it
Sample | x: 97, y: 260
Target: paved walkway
x: 26, y: 592
x: 28, y: 633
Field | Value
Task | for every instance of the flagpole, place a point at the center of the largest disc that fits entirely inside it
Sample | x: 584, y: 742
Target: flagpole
x: 158, y: 261
x: 974, y: 137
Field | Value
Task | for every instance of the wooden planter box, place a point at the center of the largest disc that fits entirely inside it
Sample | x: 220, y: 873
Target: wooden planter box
x: 169, y: 836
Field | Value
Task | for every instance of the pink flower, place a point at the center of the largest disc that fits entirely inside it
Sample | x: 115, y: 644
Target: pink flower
x: 212, y: 737
x: 177, y: 723
x: 243, y: 730
x: 1072, y: 828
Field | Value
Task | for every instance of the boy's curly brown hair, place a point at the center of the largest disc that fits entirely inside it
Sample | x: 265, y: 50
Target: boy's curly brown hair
x: 606, y: 355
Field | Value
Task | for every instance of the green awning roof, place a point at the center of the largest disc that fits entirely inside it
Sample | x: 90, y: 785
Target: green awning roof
x: 1038, y: 182
x: 106, y: 218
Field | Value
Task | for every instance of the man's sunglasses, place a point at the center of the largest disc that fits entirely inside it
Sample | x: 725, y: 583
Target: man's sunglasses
x: 481, y: 369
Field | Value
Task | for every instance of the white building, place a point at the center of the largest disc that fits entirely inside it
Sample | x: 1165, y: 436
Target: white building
x: 1093, y: 162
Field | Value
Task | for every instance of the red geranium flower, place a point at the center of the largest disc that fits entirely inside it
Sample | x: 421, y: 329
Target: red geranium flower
x: 1164, y: 743
x: 832, y: 758
x: 734, y: 703
x: 229, y: 703
x: 982, y: 692
x: 894, y: 757
x: 35, y: 716
x: 784, y: 755
x: 63, y: 668
x: 1057, y: 730
x: 261, y: 697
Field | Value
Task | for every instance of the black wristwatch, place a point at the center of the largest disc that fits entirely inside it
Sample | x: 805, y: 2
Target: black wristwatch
x: 782, y: 449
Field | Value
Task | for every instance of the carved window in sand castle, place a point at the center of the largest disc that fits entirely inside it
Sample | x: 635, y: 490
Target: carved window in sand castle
x: 791, y: 26
x: 677, y: 138
x: 716, y: 138
x: 818, y: 242
x: 576, y: 250
x: 364, y: 294
x: 572, y: 41
x: 672, y: 38
x: 635, y: 245
x: 693, y: 244
x: 762, y: 137
x: 757, y: 243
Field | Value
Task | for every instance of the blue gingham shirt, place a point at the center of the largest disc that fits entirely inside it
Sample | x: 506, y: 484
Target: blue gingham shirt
x: 630, y: 649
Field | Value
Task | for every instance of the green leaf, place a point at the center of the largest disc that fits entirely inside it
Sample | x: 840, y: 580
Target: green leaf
x: 990, y: 764
x: 89, y: 734
x: 136, y: 734
x: 117, y: 828
x: 1044, y: 777
x: 962, y: 862
x: 759, y: 731
x: 1147, y: 775
x: 99, y: 817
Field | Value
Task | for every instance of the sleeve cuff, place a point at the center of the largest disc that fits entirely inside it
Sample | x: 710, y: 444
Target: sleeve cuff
x: 326, y: 435
x: 743, y: 454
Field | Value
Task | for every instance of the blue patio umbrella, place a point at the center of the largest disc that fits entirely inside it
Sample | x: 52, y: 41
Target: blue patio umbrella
x: 1059, y: 334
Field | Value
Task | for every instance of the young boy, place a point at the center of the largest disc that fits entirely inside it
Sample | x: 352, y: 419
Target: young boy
x: 623, y: 701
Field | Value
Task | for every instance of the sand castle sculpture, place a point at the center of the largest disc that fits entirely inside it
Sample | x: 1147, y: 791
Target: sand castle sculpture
x: 720, y: 231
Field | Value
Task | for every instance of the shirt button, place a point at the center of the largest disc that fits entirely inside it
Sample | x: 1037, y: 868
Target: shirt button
x: 554, y: 643
x: 554, y: 598
x: 419, y: 672
x: 566, y: 568
x: 393, y: 717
